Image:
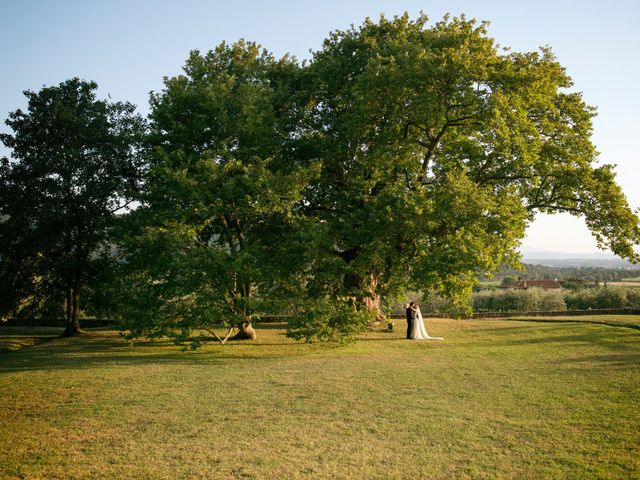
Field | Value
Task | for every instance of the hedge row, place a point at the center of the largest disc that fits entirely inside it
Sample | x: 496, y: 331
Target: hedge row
x: 539, y: 300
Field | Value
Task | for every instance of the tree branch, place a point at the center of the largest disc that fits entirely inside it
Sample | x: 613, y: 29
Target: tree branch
x: 120, y: 207
x: 224, y: 339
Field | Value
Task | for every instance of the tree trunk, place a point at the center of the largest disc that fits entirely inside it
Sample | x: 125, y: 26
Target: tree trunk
x: 368, y: 297
x: 73, y: 323
x: 245, y: 332
x: 372, y: 303
x: 67, y: 306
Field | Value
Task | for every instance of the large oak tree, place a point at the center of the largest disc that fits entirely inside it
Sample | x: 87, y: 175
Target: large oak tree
x: 438, y: 148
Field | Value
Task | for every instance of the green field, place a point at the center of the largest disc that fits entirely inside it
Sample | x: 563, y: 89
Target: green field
x: 625, y: 283
x: 628, y: 321
x: 496, y: 399
x: 12, y: 339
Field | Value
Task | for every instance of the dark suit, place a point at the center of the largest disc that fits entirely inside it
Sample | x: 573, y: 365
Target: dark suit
x: 411, y: 317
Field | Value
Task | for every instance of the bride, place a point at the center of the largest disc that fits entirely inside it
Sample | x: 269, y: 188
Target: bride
x: 418, y: 331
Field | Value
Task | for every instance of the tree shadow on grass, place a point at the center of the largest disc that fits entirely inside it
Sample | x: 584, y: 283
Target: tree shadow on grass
x: 629, y: 324
x: 619, y: 347
x: 605, y: 360
x: 584, y: 330
x: 112, y: 350
x: 382, y: 339
x: 45, y: 358
x: 621, y: 342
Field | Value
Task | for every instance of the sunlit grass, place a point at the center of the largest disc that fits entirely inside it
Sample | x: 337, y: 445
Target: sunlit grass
x: 496, y: 399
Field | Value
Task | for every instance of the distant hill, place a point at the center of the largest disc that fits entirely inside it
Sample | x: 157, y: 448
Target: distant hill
x: 549, y: 258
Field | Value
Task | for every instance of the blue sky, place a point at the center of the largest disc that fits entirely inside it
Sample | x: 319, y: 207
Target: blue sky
x: 128, y: 46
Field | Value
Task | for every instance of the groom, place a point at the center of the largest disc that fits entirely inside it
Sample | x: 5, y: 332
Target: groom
x: 411, y: 317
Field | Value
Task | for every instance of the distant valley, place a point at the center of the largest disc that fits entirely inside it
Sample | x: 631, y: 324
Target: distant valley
x: 549, y: 258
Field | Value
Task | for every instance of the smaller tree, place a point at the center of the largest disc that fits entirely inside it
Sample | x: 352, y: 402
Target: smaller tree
x: 74, y: 165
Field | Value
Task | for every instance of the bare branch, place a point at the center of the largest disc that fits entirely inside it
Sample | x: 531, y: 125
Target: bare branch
x: 224, y: 339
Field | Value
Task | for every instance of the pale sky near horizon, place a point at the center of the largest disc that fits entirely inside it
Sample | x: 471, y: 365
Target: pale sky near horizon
x: 127, y: 46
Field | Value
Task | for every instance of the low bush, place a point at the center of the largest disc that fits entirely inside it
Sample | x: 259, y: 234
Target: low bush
x: 328, y: 320
x: 603, y: 297
x: 518, y: 300
x: 538, y: 300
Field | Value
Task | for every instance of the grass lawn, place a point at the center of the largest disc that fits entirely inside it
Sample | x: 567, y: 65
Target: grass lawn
x: 496, y: 399
x: 628, y: 321
x: 12, y: 339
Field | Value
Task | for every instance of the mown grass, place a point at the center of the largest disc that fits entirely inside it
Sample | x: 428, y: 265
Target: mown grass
x: 627, y: 321
x: 15, y: 338
x: 496, y: 399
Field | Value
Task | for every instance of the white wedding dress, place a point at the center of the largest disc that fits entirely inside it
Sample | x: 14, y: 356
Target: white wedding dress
x: 418, y: 332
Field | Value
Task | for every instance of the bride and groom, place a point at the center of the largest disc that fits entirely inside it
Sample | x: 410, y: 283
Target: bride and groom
x: 415, y: 324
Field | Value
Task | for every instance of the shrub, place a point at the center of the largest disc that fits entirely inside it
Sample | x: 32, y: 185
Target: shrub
x: 518, y: 300
x: 633, y: 297
x: 602, y: 297
x: 552, y: 301
x: 435, y: 303
x: 328, y: 320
